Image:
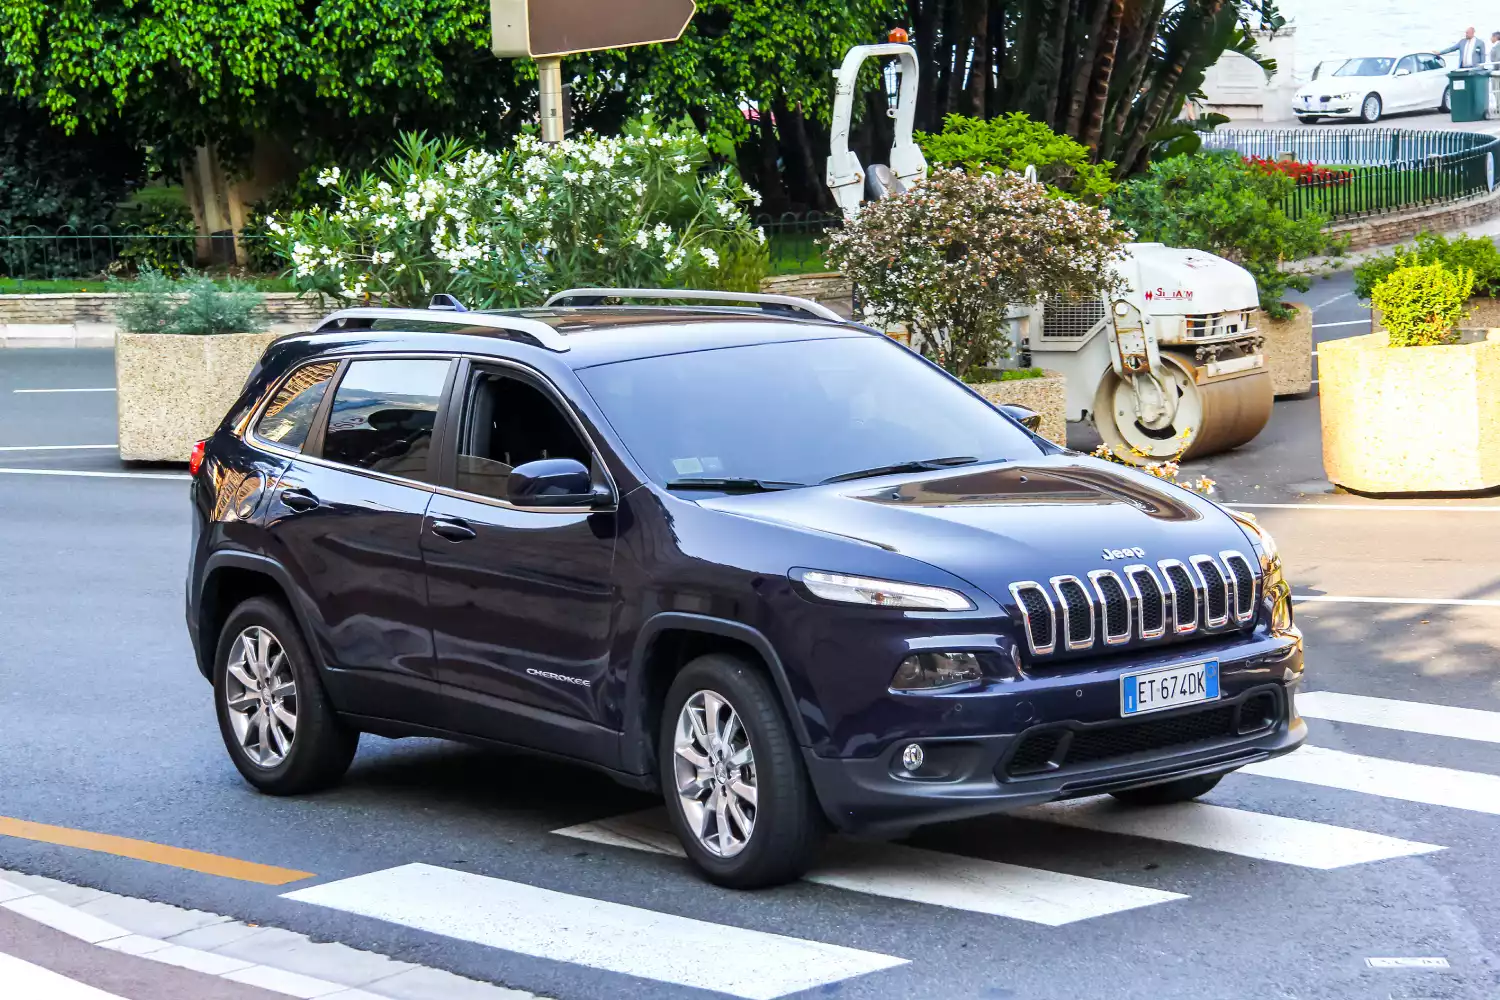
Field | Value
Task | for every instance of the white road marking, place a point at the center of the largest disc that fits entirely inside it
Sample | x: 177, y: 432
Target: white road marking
x: 1391, y: 779
x: 594, y: 933
x: 1351, y: 322
x: 32, y: 982
x: 39, y: 391
x: 1447, y: 602
x: 58, y: 447
x: 920, y: 876
x: 1233, y: 831
x: 1336, y: 298
x: 1466, y: 508
x: 94, y: 475
x: 1407, y: 963
x: 1408, y: 716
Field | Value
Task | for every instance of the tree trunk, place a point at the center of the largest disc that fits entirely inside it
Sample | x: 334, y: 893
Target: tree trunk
x: 1162, y: 93
x: 1137, y: 47
x: 1084, y: 82
x: 1092, y: 124
x: 980, y: 70
x: 773, y: 189
x: 1052, y: 77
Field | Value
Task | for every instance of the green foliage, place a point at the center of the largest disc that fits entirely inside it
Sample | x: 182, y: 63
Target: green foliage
x: 50, y: 180
x: 155, y: 220
x: 1218, y: 203
x: 953, y: 255
x: 979, y: 376
x: 643, y: 210
x: 1422, y: 304
x: 1477, y: 254
x: 1015, y: 142
x: 196, y: 306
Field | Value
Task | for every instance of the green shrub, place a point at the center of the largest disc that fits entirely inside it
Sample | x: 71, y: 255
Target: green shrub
x: 1476, y: 253
x: 1219, y: 203
x: 1015, y: 142
x: 979, y: 376
x: 1423, y: 304
x: 155, y: 222
x: 646, y: 209
x: 197, y: 306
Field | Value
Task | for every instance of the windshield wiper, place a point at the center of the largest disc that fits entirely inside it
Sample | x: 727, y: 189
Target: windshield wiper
x: 734, y: 485
x: 929, y: 465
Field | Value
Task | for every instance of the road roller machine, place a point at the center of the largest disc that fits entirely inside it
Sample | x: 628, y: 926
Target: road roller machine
x: 1169, y: 364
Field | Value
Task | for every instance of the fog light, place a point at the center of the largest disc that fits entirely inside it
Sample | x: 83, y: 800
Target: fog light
x: 912, y: 757
x: 933, y: 671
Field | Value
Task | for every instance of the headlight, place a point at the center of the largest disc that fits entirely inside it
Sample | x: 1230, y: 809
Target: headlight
x: 883, y: 593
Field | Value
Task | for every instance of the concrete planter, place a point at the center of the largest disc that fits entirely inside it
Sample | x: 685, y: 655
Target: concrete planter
x: 173, y: 390
x: 1411, y: 419
x: 1047, y: 395
x: 1289, y: 347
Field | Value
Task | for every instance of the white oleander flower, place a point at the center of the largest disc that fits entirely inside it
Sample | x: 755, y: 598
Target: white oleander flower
x: 709, y: 257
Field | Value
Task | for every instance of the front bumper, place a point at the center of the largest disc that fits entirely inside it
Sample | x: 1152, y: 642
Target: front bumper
x: 967, y: 777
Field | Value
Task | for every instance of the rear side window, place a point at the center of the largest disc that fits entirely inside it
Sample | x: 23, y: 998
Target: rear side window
x: 510, y: 422
x: 383, y: 414
x: 289, y: 418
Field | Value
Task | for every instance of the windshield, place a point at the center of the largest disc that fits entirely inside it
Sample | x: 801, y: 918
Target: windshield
x: 1365, y: 67
x: 796, y: 413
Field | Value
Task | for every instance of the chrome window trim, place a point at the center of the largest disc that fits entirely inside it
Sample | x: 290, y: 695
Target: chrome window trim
x: 1240, y: 617
x: 255, y: 441
x: 1062, y: 606
x: 1177, y: 627
x: 1208, y: 619
x: 1113, y: 640
x: 544, y: 335
x: 1015, y: 593
x: 1131, y: 572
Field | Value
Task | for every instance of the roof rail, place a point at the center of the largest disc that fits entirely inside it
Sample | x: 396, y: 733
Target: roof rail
x: 784, y: 304
x: 538, y: 331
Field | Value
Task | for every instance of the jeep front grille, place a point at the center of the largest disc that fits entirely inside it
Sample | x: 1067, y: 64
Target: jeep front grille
x: 1141, y: 602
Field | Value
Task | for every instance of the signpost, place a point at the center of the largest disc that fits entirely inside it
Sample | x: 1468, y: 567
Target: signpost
x: 547, y: 30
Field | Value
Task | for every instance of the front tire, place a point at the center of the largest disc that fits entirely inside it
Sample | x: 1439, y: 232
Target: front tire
x: 1171, y: 792
x: 737, y: 793
x: 1446, y: 106
x: 1371, y: 110
x: 277, y: 725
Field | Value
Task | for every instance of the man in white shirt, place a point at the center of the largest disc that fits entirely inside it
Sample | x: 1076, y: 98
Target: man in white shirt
x: 1470, y: 50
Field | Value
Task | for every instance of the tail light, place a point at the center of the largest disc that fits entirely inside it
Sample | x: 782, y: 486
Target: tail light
x: 195, y: 461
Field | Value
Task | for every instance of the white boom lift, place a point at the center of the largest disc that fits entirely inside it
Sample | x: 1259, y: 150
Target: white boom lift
x: 1171, y: 364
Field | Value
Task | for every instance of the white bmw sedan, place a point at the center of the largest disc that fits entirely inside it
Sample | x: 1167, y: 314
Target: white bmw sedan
x: 1370, y: 86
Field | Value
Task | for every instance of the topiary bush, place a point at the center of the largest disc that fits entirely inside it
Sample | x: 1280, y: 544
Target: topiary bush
x: 1219, y: 203
x: 1476, y: 253
x: 1422, y: 305
x: 950, y: 257
x: 1015, y: 142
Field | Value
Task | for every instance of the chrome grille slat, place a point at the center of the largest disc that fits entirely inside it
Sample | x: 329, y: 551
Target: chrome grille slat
x: 1077, y: 611
x: 1114, y: 606
x: 1242, y: 578
x: 1183, y: 595
x: 1040, y: 619
x: 1150, y: 600
x: 1215, y: 586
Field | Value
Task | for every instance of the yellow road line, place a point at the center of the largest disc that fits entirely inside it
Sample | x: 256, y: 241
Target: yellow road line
x: 144, y: 850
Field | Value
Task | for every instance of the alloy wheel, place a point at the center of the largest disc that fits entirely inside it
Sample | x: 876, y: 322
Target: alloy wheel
x: 714, y: 764
x: 261, y: 695
x: 1372, y: 109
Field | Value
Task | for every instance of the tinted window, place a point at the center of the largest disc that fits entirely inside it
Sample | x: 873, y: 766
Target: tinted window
x: 1409, y: 64
x: 509, y: 422
x: 796, y: 412
x: 288, y: 419
x: 1365, y: 67
x: 383, y: 414
x: 1433, y: 62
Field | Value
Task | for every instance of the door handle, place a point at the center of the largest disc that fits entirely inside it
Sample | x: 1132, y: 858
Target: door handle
x: 299, y: 499
x: 454, y: 529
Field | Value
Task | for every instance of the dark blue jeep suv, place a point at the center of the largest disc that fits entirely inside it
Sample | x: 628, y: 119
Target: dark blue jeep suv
x: 770, y: 563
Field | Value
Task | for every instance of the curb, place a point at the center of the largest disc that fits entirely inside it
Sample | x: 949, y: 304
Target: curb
x: 57, y: 335
x: 266, y: 957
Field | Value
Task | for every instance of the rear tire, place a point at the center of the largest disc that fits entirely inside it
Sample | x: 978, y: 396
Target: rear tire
x: 1371, y: 110
x: 1446, y: 105
x: 725, y: 740
x: 1182, y: 790
x: 312, y: 752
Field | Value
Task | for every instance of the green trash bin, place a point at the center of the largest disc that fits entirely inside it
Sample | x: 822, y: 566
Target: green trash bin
x: 1470, y: 94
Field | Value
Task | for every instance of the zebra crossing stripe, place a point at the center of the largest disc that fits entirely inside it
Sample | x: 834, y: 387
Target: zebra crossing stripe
x: 1232, y: 831
x: 595, y: 933
x: 1392, y: 779
x: 917, y: 875
x: 22, y: 979
x: 1408, y: 716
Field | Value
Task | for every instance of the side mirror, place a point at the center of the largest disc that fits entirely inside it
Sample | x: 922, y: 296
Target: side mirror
x: 554, y: 482
x: 1027, y: 417
x: 1403, y: 72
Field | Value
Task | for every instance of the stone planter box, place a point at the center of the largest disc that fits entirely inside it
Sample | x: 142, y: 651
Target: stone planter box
x: 1412, y: 419
x: 1047, y: 395
x: 173, y: 390
x: 1289, y: 349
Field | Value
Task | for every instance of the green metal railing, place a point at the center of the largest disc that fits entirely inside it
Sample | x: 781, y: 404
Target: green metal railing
x: 1379, y: 171
x: 33, y: 254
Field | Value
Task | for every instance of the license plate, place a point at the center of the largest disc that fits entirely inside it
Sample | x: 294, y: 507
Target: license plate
x: 1169, y: 687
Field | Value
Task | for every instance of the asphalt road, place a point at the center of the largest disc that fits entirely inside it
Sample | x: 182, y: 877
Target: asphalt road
x: 106, y: 726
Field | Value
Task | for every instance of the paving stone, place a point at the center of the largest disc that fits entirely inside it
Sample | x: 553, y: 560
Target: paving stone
x: 295, y: 953
x: 435, y: 984
x: 142, y: 916
x: 215, y: 936
x: 285, y: 982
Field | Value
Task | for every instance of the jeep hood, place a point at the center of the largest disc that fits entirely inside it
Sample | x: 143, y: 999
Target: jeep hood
x: 1002, y: 523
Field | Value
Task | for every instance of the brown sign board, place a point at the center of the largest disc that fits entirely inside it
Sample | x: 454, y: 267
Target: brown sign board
x: 543, y: 28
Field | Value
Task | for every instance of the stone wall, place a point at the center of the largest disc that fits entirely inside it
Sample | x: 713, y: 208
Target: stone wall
x: 99, y: 308
x: 833, y: 290
x: 1386, y: 230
